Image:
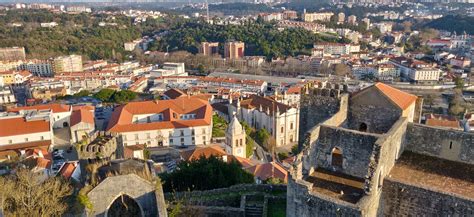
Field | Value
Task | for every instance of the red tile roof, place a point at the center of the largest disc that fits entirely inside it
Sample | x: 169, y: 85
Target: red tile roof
x: 442, y: 121
x: 55, y: 107
x: 26, y: 145
x: 19, y: 126
x: 399, y: 98
x: 68, y: 169
x: 269, y: 170
x: 207, y: 152
x: 266, y: 103
x: 82, y: 116
x: 121, y: 120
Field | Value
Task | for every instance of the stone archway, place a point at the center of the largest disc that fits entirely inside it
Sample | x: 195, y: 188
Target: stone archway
x: 124, y: 206
x: 133, y: 189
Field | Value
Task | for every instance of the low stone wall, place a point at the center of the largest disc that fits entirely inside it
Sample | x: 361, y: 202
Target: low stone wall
x: 214, y: 211
x: 400, y: 199
x: 444, y: 143
x: 303, y: 202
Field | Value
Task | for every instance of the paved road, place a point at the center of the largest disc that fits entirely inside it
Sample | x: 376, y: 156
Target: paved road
x: 271, y: 79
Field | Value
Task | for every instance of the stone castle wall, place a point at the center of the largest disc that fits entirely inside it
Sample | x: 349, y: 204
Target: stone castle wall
x: 317, y: 105
x: 444, y: 143
x: 301, y: 201
x: 401, y: 199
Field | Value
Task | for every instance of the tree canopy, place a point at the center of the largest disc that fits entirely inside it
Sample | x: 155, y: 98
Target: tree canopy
x: 205, y: 174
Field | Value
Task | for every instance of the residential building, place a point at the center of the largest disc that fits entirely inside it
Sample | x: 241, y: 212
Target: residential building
x: 72, y: 63
x: 324, y: 16
x: 169, y: 69
x: 270, y: 170
x: 209, y: 48
x: 9, y: 65
x: 234, y: 50
x: 12, y: 53
x: 40, y: 68
x: 352, y: 20
x: 236, y: 139
x: 383, y: 27
x: 416, y: 70
x: 6, y: 95
x: 60, y: 113
x: 15, y: 77
x: 341, y: 17
x: 130, y: 46
x: 337, y: 48
x: 290, y: 15
x: 184, y: 121
x: 461, y: 62
x: 280, y: 120
x: 367, y: 22
x: 272, y: 17
x: 82, y: 123
x: 387, y: 72
x: 24, y: 130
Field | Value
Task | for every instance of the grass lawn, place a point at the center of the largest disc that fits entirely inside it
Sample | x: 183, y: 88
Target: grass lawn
x: 219, y: 126
x: 277, y: 208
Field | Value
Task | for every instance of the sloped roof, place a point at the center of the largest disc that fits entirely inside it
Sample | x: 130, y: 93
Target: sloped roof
x: 442, y: 121
x: 82, y: 116
x: 19, y: 126
x: 399, y: 98
x: 174, y: 93
x: 121, y: 120
x: 207, y: 152
x: 55, y: 107
x: 269, y: 170
x: 266, y: 103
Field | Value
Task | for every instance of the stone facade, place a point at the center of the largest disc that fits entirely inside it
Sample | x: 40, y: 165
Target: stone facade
x: 318, y: 103
x: 400, y: 199
x: 150, y: 199
x: 345, y: 171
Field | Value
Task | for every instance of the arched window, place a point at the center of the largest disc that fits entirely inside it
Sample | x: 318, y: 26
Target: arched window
x: 336, y: 157
x: 363, y: 127
x: 124, y: 205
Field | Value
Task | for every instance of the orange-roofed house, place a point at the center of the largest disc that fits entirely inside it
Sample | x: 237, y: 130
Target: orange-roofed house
x: 376, y: 108
x: 263, y: 172
x: 61, y: 113
x: 71, y: 170
x: 82, y: 124
x: 447, y: 121
x: 185, y: 121
x: 24, y: 130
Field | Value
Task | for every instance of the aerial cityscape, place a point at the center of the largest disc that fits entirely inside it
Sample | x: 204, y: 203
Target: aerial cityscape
x: 237, y: 108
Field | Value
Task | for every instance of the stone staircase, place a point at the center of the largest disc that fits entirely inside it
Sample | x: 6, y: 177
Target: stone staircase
x: 254, y: 210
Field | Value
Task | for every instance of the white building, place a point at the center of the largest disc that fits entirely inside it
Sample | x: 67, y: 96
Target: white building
x: 169, y: 69
x: 235, y: 139
x: 24, y: 130
x: 71, y: 63
x: 280, y: 120
x: 82, y: 123
x: 38, y: 68
x: 337, y: 48
x: 6, y: 95
x: 60, y: 113
x: 184, y: 121
x: 310, y: 17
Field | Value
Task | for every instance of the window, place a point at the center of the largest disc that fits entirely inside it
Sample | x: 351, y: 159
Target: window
x: 136, y: 136
x: 236, y: 142
x: 148, y: 119
x: 160, y: 143
x: 136, y: 120
x: 26, y: 139
x: 42, y: 138
x: 124, y: 144
x: 204, y: 131
x: 291, y: 126
x: 181, y: 132
x: 337, y: 157
x: 451, y: 145
x: 10, y: 141
x: 124, y: 137
x: 282, y: 129
x: 363, y: 127
x: 241, y: 142
x: 171, y: 141
x: 192, y: 132
x: 182, y: 140
x: 147, y: 135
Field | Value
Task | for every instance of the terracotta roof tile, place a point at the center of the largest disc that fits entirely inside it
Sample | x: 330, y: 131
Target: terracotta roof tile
x: 402, y: 99
x: 269, y: 170
x: 121, y: 120
x: 19, y: 126
x: 67, y: 169
x: 55, y: 107
x: 208, y: 151
x: 82, y: 116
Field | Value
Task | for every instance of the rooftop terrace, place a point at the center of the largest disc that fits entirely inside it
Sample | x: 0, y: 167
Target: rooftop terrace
x: 439, y: 174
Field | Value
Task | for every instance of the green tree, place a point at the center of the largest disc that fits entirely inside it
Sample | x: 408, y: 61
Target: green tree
x: 105, y: 95
x: 205, y: 174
